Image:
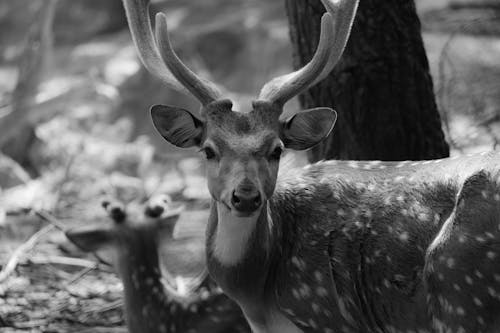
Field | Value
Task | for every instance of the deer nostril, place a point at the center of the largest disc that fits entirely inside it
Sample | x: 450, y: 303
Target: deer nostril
x: 235, y: 199
x: 257, y: 200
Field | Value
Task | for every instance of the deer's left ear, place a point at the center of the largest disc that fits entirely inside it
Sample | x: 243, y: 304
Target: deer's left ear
x: 178, y: 126
x: 91, y: 238
x: 307, y: 128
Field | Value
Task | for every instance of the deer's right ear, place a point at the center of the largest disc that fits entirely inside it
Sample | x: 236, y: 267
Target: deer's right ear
x: 90, y: 239
x: 178, y: 126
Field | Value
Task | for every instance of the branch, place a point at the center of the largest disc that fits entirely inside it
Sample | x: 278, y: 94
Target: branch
x: 68, y: 261
x: 21, y: 250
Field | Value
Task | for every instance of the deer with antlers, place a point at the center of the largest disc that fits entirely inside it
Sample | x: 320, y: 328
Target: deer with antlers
x: 338, y: 246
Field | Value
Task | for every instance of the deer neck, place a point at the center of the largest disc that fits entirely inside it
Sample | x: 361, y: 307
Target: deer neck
x: 239, y: 251
x: 147, y: 306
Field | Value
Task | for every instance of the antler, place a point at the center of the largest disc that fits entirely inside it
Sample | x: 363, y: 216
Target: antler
x: 335, y: 29
x: 165, y: 62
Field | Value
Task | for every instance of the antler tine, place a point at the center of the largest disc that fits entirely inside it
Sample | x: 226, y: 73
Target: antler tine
x: 335, y: 29
x: 343, y: 25
x: 140, y: 28
x: 204, y: 90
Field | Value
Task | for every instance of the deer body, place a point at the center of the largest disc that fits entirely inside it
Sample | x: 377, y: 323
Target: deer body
x: 150, y: 304
x: 350, y: 244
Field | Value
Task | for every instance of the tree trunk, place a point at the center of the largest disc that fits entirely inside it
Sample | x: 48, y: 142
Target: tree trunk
x: 381, y: 88
x: 17, y: 134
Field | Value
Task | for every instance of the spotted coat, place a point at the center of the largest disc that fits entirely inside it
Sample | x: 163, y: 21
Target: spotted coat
x: 376, y: 247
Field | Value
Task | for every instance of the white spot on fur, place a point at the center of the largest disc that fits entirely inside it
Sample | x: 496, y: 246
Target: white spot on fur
x: 450, y: 262
x: 404, y: 236
x: 321, y: 291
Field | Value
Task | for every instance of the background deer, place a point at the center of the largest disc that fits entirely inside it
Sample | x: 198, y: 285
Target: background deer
x: 338, y: 246
x: 151, y: 303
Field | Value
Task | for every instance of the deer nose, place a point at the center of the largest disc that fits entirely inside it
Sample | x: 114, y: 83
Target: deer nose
x: 246, y: 200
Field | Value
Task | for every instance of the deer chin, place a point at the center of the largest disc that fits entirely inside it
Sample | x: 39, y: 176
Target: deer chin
x: 246, y: 215
x: 239, y: 216
x: 232, y: 234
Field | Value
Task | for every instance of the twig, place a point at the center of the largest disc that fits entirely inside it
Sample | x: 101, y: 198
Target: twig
x: 22, y: 249
x: 47, y: 217
x: 30, y: 324
x: 68, y: 261
x: 80, y: 275
x: 111, y: 306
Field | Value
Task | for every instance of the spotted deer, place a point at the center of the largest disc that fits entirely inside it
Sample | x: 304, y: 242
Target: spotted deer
x: 152, y: 304
x: 337, y: 246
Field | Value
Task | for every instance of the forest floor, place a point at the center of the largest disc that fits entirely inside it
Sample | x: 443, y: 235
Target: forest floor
x: 54, y: 287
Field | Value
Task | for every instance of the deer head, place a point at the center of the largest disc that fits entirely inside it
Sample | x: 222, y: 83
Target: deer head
x: 125, y: 234
x: 242, y: 149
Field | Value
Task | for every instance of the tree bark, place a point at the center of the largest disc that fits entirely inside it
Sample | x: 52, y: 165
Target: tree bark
x: 381, y: 88
x: 17, y: 134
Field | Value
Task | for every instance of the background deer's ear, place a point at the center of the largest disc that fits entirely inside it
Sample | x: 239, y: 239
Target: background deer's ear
x: 308, y: 128
x: 90, y: 238
x: 178, y: 126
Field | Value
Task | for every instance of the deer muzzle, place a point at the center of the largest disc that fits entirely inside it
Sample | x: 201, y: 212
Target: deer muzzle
x: 246, y: 199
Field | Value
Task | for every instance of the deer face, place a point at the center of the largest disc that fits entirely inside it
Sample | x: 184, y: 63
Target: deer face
x: 242, y: 150
x: 124, y: 236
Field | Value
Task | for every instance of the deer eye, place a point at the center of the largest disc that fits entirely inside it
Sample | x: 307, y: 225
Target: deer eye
x: 209, y: 153
x: 276, y: 154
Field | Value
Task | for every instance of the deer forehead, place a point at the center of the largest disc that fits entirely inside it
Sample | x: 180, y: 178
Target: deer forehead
x: 224, y: 119
x: 256, y: 144
x: 242, y: 133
